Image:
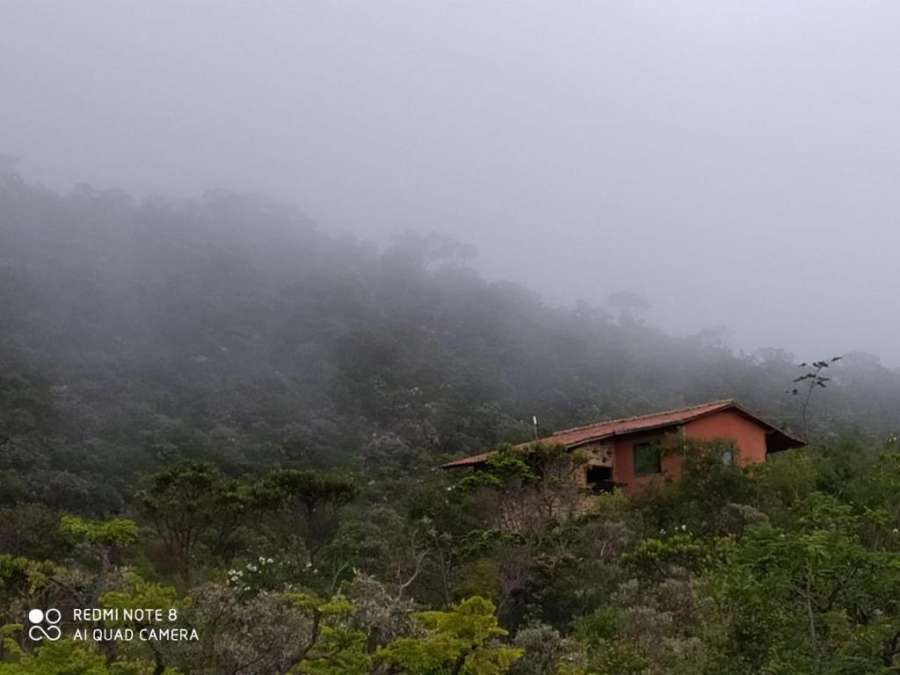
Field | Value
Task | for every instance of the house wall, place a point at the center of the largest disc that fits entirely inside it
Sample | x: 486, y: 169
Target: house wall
x: 623, y: 468
x: 749, y: 437
x: 598, y: 454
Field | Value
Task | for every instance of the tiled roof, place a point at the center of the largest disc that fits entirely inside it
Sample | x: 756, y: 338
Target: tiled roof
x: 576, y: 436
x: 626, y: 425
x: 469, y: 461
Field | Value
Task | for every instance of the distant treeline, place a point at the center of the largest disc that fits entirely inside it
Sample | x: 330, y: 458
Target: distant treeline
x: 229, y: 329
x: 211, y: 408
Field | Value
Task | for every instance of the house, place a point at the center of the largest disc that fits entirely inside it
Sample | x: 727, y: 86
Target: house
x: 629, y: 452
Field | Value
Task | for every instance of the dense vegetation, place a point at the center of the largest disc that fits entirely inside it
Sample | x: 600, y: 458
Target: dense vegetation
x: 212, y: 407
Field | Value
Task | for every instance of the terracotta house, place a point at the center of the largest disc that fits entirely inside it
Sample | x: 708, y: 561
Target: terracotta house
x: 629, y: 452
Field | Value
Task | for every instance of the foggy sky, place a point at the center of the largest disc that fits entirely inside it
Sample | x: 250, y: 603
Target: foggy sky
x: 734, y: 162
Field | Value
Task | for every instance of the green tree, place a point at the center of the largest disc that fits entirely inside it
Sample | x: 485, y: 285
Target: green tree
x: 461, y: 640
x: 187, y: 504
x: 145, y: 595
x: 67, y: 657
x: 526, y: 488
x: 304, y: 505
x: 103, y: 539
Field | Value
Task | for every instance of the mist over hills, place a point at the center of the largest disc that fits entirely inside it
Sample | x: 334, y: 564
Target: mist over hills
x: 226, y: 415
x: 229, y: 328
x: 212, y: 405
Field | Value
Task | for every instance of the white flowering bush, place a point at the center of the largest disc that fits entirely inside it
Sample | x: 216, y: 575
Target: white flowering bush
x: 259, y: 574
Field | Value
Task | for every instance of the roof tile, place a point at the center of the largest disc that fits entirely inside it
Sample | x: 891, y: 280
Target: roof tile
x: 628, y: 425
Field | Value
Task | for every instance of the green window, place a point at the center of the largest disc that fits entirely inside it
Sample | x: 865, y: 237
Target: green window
x: 647, y: 459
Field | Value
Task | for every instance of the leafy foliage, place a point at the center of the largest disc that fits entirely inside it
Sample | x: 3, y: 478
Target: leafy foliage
x: 211, y: 406
x: 461, y: 640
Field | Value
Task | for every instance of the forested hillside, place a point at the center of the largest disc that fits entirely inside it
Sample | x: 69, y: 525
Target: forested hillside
x: 230, y: 329
x: 213, y: 399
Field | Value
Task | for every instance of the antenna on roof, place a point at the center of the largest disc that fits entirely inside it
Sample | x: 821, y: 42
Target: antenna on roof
x: 534, y: 422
